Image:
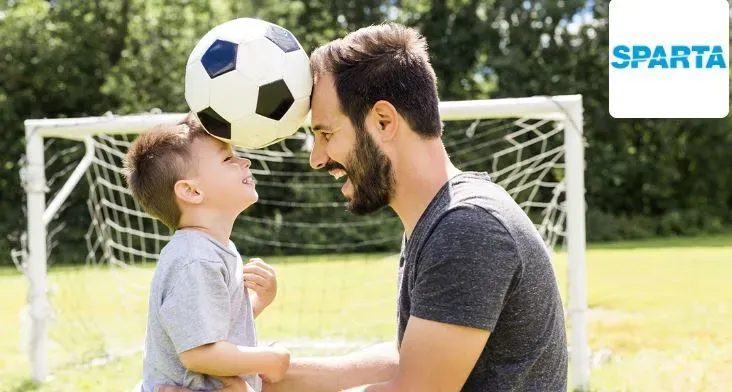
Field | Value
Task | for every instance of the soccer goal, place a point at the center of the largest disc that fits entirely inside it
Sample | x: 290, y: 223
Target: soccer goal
x: 89, y: 249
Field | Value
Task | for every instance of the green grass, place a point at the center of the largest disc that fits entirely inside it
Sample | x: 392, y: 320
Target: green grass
x: 663, y: 309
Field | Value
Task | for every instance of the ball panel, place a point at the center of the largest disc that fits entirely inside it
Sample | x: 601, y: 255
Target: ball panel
x: 220, y: 58
x: 282, y: 38
x: 274, y: 100
x: 253, y: 131
x: 297, y: 74
x: 260, y: 60
x: 240, y: 30
x: 275, y: 141
x: 214, y: 123
x: 294, y: 118
x: 201, y: 47
x: 198, y: 87
x: 233, y: 95
x: 243, y: 30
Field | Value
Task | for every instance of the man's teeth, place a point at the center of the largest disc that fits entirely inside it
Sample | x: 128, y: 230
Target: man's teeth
x: 339, y: 174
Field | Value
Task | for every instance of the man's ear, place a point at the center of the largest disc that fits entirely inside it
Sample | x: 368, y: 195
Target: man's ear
x: 187, y: 191
x: 386, y: 117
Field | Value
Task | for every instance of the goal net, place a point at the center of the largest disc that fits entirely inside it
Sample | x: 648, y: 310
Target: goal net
x: 90, y: 249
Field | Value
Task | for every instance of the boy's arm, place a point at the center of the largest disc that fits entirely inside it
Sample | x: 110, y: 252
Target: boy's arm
x: 195, y: 313
x: 223, y: 359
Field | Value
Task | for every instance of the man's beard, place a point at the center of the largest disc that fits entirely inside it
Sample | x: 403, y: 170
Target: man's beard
x: 370, y: 173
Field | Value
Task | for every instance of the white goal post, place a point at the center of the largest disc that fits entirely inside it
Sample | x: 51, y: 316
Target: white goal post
x: 566, y: 110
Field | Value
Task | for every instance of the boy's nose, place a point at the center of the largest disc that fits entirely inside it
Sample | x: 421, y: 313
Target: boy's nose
x: 246, y: 163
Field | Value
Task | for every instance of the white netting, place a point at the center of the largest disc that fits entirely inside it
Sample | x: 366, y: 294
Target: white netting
x: 337, y: 271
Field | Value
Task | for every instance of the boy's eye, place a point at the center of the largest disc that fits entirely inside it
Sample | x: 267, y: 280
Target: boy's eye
x: 227, y: 159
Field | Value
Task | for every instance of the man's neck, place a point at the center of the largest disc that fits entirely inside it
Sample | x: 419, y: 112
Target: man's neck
x: 422, y: 172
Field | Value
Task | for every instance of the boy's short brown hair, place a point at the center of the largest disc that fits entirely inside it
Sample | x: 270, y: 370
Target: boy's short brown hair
x: 155, y: 161
x: 383, y: 62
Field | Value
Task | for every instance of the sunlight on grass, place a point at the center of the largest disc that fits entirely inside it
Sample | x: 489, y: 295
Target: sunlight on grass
x: 661, y: 308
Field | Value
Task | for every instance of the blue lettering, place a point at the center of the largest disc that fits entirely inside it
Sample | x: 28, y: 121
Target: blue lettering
x: 657, y: 56
x: 641, y: 53
x: 621, y: 52
x: 716, y: 58
x: 680, y: 54
x: 699, y: 50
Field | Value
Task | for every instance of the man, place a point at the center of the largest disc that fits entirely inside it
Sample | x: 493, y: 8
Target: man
x: 478, y: 306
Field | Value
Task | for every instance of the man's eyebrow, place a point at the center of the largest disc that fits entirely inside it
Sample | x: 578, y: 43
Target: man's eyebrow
x: 320, y: 128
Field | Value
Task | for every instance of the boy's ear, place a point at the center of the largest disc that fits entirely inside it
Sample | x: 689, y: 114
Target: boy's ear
x: 187, y: 191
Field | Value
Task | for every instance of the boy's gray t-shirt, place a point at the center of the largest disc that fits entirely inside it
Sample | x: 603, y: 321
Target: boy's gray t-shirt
x: 197, y: 296
x: 475, y: 259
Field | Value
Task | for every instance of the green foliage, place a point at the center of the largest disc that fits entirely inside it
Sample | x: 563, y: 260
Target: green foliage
x: 644, y: 177
x: 51, y: 68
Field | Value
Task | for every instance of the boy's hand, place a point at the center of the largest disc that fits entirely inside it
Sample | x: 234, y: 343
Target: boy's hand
x: 261, y: 278
x: 278, y: 365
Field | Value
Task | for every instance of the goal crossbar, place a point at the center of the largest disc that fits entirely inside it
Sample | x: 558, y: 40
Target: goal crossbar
x: 566, y: 109
x: 544, y: 107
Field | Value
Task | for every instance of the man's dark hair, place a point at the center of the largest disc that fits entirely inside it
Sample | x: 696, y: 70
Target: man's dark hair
x: 383, y: 62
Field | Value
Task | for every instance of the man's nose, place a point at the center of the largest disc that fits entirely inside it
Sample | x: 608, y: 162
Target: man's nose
x: 318, y: 157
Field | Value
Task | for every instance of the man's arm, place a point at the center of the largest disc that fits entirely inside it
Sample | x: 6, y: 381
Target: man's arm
x: 433, y: 357
x: 372, y: 365
x: 223, y: 359
x: 465, y: 271
x: 196, y: 315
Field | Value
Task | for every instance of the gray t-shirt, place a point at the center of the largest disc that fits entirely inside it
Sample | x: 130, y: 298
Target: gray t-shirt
x: 475, y: 259
x: 197, y: 296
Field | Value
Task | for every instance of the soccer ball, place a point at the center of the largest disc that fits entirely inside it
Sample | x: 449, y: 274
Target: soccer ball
x: 249, y: 82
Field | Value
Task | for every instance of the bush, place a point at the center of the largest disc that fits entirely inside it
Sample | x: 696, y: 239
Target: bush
x: 690, y: 222
x: 606, y: 227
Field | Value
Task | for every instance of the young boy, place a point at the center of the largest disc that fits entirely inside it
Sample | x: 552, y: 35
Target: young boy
x: 200, y: 317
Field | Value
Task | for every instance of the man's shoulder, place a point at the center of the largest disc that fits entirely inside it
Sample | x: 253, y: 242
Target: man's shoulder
x: 471, y: 200
x: 466, y: 226
x: 471, y: 205
x: 467, y: 215
x: 488, y: 200
x: 460, y: 228
x: 475, y: 188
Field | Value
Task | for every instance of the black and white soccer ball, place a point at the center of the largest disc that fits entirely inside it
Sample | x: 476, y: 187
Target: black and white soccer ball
x: 249, y: 82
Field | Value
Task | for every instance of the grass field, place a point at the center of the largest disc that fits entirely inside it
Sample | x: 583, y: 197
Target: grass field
x: 661, y: 310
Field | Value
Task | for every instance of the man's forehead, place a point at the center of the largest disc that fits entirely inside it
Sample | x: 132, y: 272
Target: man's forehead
x: 324, y: 104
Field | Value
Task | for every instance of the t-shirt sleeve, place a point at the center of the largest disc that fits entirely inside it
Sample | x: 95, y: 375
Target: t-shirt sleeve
x: 466, y: 270
x: 196, y: 309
